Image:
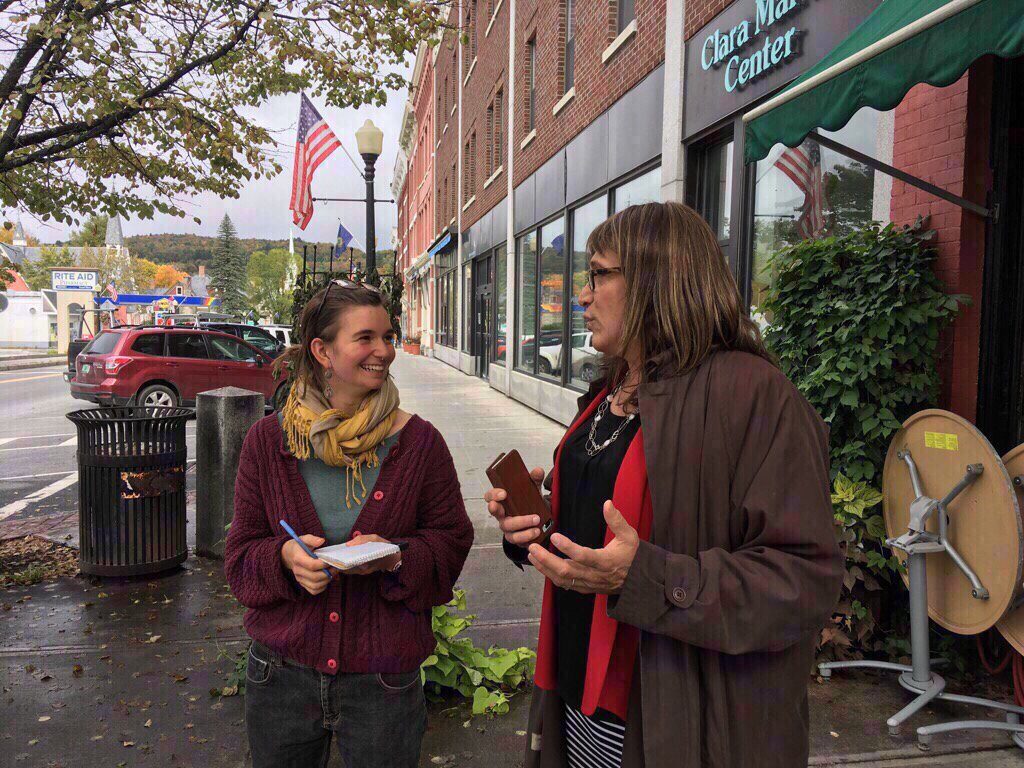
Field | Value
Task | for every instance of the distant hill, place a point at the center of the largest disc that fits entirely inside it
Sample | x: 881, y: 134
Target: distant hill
x: 187, y: 252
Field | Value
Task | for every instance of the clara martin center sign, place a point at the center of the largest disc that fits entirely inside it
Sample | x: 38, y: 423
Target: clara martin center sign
x: 755, y: 47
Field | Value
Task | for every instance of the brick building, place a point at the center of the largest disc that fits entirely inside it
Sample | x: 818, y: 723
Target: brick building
x: 556, y: 113
x: 413, y: 187
x: 527, y: 94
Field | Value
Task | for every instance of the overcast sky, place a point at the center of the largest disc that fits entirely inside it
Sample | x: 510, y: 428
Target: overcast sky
x: 261, y: 209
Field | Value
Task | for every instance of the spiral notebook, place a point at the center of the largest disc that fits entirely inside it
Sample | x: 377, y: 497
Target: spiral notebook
x: 345, y: 557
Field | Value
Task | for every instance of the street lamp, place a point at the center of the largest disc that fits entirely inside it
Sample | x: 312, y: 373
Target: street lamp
x: 370, y: 139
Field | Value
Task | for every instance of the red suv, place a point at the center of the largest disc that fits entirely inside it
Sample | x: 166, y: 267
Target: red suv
x: 166, y: 366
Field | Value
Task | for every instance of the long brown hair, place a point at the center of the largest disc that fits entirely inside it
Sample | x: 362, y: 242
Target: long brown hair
x: 682, y: 301
x: 297, y: 360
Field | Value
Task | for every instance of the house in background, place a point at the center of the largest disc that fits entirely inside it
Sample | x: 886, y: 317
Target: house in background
x: 28, y: 319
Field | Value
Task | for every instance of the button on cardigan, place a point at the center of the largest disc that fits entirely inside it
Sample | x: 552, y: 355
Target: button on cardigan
x: 384, y: 621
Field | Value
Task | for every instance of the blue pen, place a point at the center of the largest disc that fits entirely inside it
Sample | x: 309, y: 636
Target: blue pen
x: 307, y: 550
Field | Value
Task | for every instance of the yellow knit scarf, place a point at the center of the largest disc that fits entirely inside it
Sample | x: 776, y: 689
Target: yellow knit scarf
x: 312, y: 427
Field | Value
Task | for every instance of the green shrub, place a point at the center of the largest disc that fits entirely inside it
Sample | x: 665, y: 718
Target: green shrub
x: 856, y: 322
x: 488, y: 677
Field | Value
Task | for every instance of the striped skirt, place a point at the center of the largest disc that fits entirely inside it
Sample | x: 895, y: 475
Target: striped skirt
x: 591, y: 743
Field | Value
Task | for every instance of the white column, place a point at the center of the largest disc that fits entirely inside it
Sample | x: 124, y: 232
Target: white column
x: 510, y: 242
x: 881, y: 207
x: 673, y: 158
x: 458, y: 202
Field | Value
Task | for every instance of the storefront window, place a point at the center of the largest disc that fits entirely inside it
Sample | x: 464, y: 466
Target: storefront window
x: 810, y: 192
x: 467, y: 306
x: 552, y: 298
x: 446, y: 312
x: 527, y: 344
x: 501, y: 300
x: 642, y: 189
x: 715, y: 193
x: 584, y: 358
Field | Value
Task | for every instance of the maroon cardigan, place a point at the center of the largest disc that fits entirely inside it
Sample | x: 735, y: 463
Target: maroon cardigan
x: 375, y: 623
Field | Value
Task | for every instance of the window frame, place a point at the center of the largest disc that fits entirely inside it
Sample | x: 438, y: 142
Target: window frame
x: 569, y: 46
x: 564, y: 380
x: 531, y: 84
x: 622, y: 21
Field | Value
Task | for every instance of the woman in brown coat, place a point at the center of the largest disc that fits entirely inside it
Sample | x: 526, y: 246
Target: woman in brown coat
x: 695, y: 562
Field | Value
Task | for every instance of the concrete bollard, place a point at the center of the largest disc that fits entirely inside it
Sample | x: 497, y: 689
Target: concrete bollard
x: 223, y: 417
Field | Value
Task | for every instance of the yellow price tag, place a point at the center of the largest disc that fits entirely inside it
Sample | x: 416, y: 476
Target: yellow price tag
x: 943, y: 441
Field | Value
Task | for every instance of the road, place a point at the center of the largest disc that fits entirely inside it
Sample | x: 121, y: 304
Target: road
x: 38, y: 483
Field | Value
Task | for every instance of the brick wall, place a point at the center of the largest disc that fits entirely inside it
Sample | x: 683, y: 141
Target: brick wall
x: 932, y: 140
x: 700, y: 12
x: 446, y: 126
x: 598, y: 84
x: 488, y: 76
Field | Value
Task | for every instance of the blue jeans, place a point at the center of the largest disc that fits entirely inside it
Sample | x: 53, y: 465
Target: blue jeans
x: 291, y: 711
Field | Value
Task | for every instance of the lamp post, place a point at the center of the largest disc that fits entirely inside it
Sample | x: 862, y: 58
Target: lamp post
x: 370, y: 139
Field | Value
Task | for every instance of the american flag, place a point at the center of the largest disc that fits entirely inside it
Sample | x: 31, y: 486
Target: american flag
x: 313, y: 143
x: 803, y: 165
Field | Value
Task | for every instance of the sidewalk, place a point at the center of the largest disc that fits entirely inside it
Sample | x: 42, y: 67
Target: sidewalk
x: 118, y: 672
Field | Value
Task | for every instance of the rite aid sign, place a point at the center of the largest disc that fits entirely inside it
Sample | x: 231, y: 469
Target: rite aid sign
x: 74, y: 279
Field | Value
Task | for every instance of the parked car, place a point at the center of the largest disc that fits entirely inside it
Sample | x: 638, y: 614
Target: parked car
x: 90, y: 322
x: 157, y: 366
x: 259, y: 337
x: 584, y: 357
x: 282, y: 333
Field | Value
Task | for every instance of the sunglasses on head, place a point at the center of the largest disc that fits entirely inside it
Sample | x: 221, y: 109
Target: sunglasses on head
x: 341, y: 284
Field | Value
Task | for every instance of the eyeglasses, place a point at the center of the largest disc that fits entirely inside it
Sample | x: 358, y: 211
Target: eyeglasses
x: 341, y: 284
x: 593, y: 274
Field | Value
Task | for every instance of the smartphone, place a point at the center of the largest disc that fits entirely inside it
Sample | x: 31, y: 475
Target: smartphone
x: 509, y: 473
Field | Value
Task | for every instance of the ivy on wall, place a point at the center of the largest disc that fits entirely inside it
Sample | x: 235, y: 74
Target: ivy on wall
x: 856, y: 323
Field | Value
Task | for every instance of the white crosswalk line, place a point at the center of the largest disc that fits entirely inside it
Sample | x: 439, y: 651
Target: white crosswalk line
x: 5, y: 440
x: 43, y: 493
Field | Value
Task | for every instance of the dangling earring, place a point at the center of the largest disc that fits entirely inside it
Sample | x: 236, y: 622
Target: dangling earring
x: 328, y: 392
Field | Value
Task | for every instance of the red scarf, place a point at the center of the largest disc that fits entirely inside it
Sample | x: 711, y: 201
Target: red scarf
x: 613, y: 647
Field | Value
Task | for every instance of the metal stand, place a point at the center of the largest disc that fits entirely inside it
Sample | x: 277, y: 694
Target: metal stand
x: 918, y: 678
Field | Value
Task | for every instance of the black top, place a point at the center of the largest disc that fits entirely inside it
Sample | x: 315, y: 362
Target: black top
x: 585, y: 484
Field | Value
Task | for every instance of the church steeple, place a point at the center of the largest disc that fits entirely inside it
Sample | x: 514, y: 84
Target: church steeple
x: 19, y: 239
x: 115, y: 238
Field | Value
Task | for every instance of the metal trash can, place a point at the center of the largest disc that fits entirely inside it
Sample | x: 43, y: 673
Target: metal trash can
x: 131, y: 489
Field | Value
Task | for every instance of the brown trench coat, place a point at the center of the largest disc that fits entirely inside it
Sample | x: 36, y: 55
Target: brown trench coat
x: 741, y: 573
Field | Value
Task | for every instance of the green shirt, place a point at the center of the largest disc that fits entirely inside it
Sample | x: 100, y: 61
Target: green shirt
x: 326, y: 486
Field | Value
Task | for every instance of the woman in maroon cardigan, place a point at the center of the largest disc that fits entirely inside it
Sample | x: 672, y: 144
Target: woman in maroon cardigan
x: 340, y: 652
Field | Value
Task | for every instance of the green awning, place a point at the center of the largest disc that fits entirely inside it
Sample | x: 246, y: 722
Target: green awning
x: 901, y: 44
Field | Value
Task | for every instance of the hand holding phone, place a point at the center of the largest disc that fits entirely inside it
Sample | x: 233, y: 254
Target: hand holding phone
x: 515, y: 501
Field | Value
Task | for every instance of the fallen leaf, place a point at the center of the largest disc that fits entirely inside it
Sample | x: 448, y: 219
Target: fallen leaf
x: 154, y: 638
x: 97, y: 737
x: 33, y: 742
x: 102, y: 594
x: 833, y: 734
x: 77, y: 670
x: 44, y: 718
x: 520, y: 733
x: 147, y: 724
x: 128, y: 743
x: 30, y: 668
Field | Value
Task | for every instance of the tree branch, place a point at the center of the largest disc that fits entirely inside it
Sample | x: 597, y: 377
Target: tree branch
x: 89, y: 131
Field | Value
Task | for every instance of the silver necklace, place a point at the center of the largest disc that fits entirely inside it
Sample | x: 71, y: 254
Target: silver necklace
x: 593, y: 447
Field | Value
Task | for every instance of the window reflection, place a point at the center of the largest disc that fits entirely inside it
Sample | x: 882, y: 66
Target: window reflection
x: 642, y: 189
x: 552, y: 298
x: 527, y: 302
x: 809, y: 192
x: 501, y: 296
x: 584, y: 358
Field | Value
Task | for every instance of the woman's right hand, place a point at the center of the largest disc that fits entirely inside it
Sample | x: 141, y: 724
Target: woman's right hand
x: 308, y: 571
x: 521, y: 530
